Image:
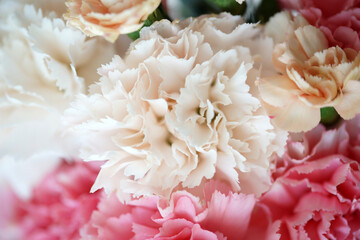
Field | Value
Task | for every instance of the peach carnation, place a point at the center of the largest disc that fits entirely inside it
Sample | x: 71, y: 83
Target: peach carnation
x: 109, y: 18
x: 174, y: 112
x: 312, y: 76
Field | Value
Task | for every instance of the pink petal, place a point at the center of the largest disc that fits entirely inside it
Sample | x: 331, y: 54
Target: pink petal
x: 230, y: 214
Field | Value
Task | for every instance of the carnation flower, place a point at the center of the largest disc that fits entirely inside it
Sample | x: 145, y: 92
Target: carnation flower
x: 174, y: 112
x: 109, y: 18
x: 316, y: 191
x: 338, y: 20
x: 312, y: 76
x: 223, y: 215
x: 59, y: 206
x: 43, y: 66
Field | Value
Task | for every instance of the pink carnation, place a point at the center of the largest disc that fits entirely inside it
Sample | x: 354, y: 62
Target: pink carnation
x: 316, y: 194
x: 339, y: 20
x: 221, y: 215
x: 113, y: 219
x: 60, y: 204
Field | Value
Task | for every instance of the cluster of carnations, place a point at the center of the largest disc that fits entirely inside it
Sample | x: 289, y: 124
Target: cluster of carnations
x: 203, y: 128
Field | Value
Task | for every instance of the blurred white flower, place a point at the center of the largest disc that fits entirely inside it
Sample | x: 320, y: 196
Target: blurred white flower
x: 179, y: 109
x: 23, y: 176
x: 43, y: 65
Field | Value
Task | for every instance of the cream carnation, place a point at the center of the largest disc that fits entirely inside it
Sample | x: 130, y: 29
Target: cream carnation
x: 43, y: 65
x: 177, y: 110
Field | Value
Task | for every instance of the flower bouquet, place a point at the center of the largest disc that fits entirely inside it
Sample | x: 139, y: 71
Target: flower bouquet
x: 177, y: 119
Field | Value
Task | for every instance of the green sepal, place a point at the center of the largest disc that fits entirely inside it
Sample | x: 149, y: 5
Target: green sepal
x: 329, y: 116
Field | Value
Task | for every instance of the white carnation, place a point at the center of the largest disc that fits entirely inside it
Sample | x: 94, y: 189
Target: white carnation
x: 179, y: 109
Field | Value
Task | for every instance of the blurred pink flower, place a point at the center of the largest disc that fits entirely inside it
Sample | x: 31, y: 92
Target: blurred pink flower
x: 316, y: 193
x: 220, y: 215
x: 339, y: 20
x: 60, y: 204
x: 9, y: 213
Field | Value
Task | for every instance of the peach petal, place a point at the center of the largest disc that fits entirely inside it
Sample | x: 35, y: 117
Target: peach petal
x: 309, y: 40
x: 274, y: 90
x: 294, y: 116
